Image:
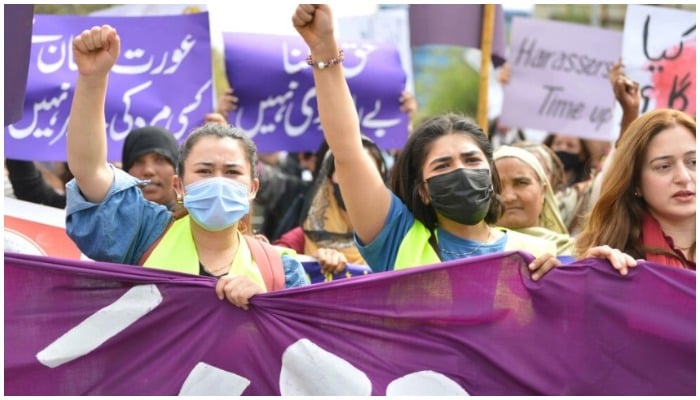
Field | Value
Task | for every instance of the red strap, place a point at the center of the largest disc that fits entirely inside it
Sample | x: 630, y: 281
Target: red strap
x: 148, y: 252
x: 269, y: 263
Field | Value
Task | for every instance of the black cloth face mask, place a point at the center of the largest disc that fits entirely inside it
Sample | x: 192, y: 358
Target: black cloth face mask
x: 462, y: 195
x: 569, y: 160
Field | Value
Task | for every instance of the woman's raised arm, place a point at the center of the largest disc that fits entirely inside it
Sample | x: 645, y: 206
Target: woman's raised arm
x: 366, y: 197
x: 95, y: 52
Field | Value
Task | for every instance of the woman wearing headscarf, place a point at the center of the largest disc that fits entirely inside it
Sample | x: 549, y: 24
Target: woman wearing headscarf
x: 529, y: 204
x: 325, y: 230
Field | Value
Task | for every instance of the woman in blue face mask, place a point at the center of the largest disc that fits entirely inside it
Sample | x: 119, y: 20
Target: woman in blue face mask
x: 444, y: 187
x: 110, y: 220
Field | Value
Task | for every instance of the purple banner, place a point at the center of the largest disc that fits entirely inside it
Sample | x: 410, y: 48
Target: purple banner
x: 477, y: 327
x: 277, y: 99
x: 457, y: 25
x: 18, y: 39
x: 162, y: 77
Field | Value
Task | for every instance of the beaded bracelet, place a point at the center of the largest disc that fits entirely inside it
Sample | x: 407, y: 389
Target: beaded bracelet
x: 326, y: 64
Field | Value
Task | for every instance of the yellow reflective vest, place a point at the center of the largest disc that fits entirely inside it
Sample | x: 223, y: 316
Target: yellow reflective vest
x: 176, y: 251
x: 415, y: 250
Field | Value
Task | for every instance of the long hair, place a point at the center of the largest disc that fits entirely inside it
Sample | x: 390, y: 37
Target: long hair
x: 407, y: 174
x: 616, y: 218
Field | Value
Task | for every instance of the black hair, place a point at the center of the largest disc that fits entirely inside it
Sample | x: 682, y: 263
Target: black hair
x: 407, y: 174
x: 219, y: 131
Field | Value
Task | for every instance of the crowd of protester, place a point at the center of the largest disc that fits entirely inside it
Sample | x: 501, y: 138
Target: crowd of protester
x: 452, y: 192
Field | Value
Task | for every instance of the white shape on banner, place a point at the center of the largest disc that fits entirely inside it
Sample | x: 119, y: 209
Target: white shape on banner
x: 309, y: 370
x: 207, y: 380
x: 101, y: 326
x: 425, y: 383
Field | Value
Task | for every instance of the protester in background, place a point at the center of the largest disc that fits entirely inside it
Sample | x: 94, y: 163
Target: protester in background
x: 326, y: 232
x: 286, y: 178
x: 647, y: 203
x: 573, y: 196
x: 574, y: 154
x: 29, y: 184
x: 529, y: 205
x: 501, y: 135
x: 150, y: 154
x: 109, y: 219
x: 445, y: 168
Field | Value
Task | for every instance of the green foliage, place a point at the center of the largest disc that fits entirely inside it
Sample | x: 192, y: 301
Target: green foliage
x: 452, y: 87
x: 579, y: 14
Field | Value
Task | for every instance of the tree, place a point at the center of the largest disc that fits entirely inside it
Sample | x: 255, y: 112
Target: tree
x: 446, y: 84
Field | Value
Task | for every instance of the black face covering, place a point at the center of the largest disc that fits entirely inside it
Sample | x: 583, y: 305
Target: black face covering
x: 463, y: 195
x: 569, y: 160
x: 338, y: 196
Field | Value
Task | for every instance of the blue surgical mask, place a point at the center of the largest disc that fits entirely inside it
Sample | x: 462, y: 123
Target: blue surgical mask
x: 216, y: 203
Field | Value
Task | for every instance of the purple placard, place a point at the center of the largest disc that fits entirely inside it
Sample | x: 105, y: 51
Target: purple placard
x: 277, y: 98
x: 458, y: 25
x: 559, y: 78
x: 162, y: 77
x: 18, y: 38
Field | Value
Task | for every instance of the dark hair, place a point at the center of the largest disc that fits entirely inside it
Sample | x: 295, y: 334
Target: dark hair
x: 407, y: 174
x: 326, y: 167
x: 374, y: 151
x: 219, y: 131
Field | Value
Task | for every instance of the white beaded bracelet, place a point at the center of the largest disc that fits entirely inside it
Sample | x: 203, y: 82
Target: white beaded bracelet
x: 326, y: 64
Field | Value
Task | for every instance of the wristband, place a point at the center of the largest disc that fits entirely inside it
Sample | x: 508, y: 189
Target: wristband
x: 327, y: 63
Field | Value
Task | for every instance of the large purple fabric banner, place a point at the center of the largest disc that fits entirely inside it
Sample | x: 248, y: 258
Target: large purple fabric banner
x: 277, y: 99
x: 478, y: 327
x: 162, y: 77
x: 18, y: 39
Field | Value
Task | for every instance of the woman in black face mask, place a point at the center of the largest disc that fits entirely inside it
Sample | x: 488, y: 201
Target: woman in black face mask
x: 575, y: 156
x: 443, y: 186
x: 574, y: 193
